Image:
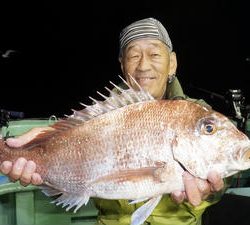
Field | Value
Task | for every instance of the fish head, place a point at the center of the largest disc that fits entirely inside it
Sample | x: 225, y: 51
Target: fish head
x: 211, y: 142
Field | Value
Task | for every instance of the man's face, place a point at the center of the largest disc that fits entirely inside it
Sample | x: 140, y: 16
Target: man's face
x: 149, y: 62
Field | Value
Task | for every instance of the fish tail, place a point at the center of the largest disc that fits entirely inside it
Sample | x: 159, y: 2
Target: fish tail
x: 3, y: 150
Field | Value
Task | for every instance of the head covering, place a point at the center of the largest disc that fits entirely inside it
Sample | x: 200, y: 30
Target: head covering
x: 145, y: 28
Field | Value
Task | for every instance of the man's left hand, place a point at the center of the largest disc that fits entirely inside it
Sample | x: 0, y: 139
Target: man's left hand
x: 197, y: 189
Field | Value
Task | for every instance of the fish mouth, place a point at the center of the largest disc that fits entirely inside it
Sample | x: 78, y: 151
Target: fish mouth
x: 243, y: 162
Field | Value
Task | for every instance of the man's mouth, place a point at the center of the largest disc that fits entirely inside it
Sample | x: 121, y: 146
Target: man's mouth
x: 144, y: 80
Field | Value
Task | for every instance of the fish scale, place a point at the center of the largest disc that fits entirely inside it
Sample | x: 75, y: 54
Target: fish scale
x: 130, y: 146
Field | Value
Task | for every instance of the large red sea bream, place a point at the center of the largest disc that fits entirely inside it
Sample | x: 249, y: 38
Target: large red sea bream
x: 131, y: 146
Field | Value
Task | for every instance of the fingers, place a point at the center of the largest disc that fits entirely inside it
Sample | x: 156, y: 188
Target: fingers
x: 14, y: 142
x: 26, y: 137
x: 17, y: 169
x: 192, y: 191
x: 216, y: 182
x: 178, y: 196
x: 28, y: 170
x: 22, y: 170
x: 36, y: 179
x: 6, y: 167
x: 204, y: 188
x: 197, y: 189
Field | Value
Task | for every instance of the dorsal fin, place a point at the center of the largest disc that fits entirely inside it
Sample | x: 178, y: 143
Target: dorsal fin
x: 118, y: 97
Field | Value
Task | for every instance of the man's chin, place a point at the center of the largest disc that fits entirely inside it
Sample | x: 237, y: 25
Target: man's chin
x: 147, y: 88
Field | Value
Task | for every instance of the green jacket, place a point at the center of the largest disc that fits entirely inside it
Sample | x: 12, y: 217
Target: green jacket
x: 118, y: 212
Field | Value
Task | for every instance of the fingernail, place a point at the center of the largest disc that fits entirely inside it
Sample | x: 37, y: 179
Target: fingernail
x: 31, y: 166
x: 177, y: 194
x: 20, y: 163
x: 6, y: 167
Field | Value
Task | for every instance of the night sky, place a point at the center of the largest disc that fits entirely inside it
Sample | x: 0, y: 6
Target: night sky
x: 65, y: 52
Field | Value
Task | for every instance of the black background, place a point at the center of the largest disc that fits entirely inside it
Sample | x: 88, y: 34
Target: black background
x: 65, y: 52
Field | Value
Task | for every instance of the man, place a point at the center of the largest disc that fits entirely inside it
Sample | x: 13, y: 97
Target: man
x: 146, y: 54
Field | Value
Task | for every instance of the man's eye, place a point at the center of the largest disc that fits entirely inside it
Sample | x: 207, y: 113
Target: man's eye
x: 134, y: 57
x: 155, y: 54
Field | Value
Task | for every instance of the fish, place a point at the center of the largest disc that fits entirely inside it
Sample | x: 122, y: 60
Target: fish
x: 131, y: 146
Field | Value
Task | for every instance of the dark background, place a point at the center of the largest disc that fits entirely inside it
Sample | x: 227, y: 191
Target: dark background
x: 65, y: 52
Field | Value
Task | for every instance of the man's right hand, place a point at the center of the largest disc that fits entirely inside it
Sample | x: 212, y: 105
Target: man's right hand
x: 22, y: 170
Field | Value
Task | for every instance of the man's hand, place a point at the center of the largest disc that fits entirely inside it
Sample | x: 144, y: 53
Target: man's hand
x: 27, y: 137
x: 22, y: 170
x: 197, y: 189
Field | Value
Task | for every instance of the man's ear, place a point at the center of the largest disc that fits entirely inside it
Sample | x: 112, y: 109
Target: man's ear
x: 120, y: 60
x: 173, y: 63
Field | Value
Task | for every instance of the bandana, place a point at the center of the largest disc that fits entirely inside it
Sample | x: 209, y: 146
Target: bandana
x: 145, y: 28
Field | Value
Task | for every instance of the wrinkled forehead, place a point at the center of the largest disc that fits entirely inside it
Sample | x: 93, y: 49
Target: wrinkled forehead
x: 146, y: 43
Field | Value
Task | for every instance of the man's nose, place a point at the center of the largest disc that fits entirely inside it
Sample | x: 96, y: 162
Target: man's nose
x: 144, y: 63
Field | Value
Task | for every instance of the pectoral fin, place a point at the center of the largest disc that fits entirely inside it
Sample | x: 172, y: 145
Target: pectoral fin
x: 142, y: 213
x: 132, y: 175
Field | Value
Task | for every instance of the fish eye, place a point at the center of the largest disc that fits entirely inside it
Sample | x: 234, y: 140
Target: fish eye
x: 209, y: 128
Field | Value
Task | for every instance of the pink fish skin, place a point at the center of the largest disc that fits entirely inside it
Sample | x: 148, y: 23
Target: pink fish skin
x: 133, y: 152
